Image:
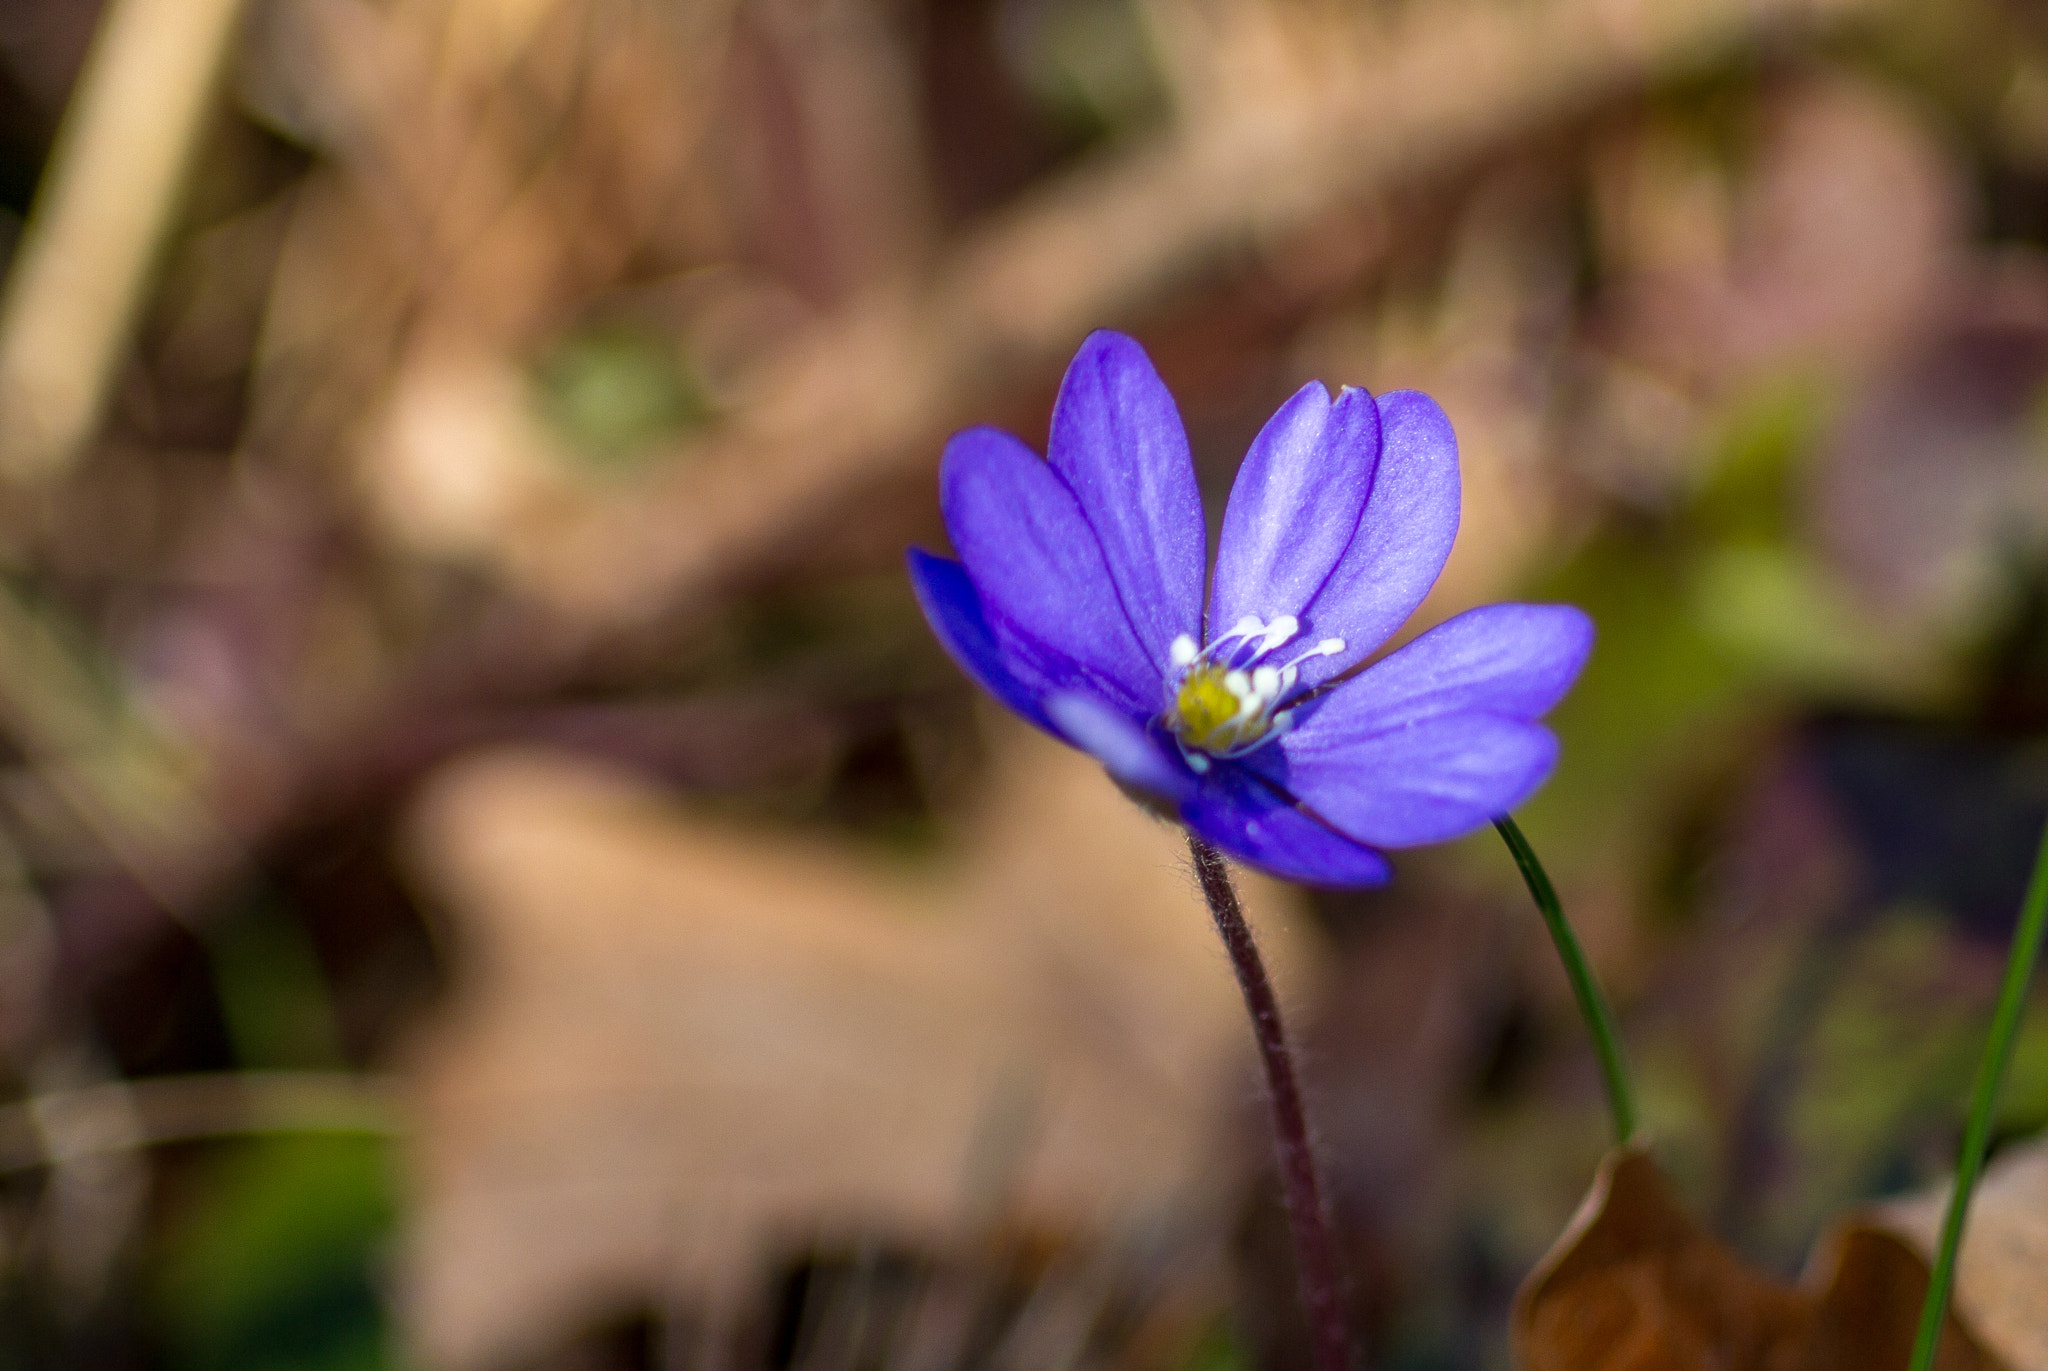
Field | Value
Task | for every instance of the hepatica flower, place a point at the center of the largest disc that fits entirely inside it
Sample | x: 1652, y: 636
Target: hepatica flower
x: 1078, y: 601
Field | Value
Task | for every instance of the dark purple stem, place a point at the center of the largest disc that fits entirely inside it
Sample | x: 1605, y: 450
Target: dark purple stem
x: 1315, y: 1253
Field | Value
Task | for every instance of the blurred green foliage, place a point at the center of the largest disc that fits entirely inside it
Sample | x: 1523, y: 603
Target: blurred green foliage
x: 269, y: 1261
x: 1091, y: 64
x: 614, y: 392
x: 1675, y: 659
x: 271, y: 990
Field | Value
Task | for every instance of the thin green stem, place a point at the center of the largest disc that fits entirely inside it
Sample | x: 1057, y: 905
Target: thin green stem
x: 2005, y: 1023
x: 1593, y: 1008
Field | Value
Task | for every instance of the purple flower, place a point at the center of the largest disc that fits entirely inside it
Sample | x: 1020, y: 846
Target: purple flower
x: 1077, y: 601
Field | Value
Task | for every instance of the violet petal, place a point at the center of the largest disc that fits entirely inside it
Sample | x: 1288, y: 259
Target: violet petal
x: 1512, y: 660
x: 954, y: 611
x: 1237, y: 813
x: 1421, y: 783
x: 1403, y: 537
x: 1117, y: 440
x: 1295, y: 505
x: 1038, y: 568
x: 1121, y: 744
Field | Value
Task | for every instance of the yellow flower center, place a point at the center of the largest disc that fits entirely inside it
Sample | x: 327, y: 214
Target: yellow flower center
x: 1208, y: 715
x: 1225, y: 701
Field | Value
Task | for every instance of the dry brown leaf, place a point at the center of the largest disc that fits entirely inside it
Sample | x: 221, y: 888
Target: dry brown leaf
x: 1635, y: 1285
x: 681, y: 1047
x: 2002, y: 1273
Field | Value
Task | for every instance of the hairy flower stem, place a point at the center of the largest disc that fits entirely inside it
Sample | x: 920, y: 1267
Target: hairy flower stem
x: 2005, y: 1023
x: 1315, y: 1252
x: 1621, y: 1100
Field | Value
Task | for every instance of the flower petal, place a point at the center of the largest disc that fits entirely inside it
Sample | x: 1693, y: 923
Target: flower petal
x: 1435, y: 779
x: 1403, y: 537
x: 1118, y: 441
x: 1237, y: 813
x: 954, y: 611
x: 1295, y: 505
x: 1120, y: 743
x: 1038, y: 568
x: 1512, y: 660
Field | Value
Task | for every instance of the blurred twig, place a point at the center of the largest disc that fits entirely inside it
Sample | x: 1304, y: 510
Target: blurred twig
x: 108, y: 764
x: 61, y: 1126
x: 101, y: 213
x: 861, y: 396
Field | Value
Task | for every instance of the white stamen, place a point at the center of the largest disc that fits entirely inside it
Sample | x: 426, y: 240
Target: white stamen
x: 1279, y: 631
x: 1328, y: 647
x: 1254, y: 689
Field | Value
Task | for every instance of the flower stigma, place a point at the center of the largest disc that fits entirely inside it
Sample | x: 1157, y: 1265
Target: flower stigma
x: 1223, y: 701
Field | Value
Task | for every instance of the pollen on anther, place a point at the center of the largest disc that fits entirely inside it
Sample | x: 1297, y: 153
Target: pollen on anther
x: 1183, y: 650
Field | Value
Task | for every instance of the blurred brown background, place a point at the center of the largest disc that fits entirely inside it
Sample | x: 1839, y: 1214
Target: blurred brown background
x: 495, y: 873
